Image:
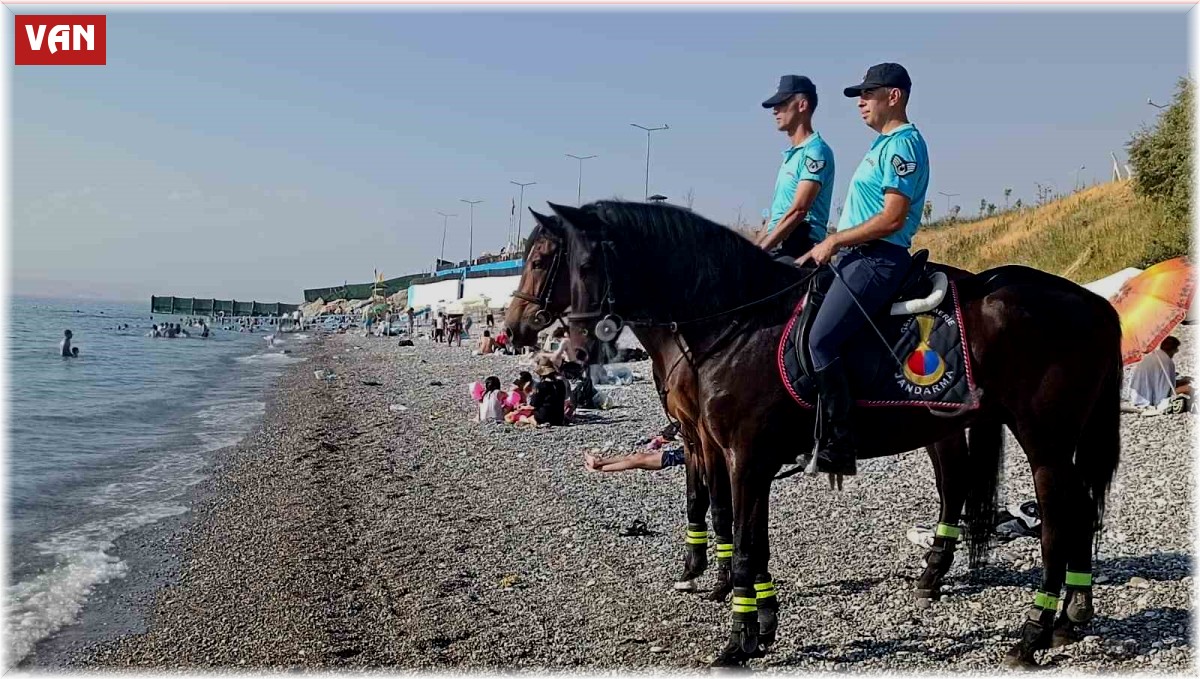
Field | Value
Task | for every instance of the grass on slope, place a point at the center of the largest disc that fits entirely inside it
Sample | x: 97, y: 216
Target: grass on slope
x: 1083, y: 237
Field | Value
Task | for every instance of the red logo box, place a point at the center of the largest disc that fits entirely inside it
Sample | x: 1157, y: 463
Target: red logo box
x: 60, y: 40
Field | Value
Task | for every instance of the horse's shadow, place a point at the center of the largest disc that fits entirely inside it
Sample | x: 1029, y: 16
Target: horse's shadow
x: 860, y: 650
x: 1134, y: 628
x: 1164, y: 567
x: 836, y: 587
x: 592, y: 417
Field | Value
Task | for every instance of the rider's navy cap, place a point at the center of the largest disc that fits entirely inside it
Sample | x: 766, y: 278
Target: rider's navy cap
x: 882, y: 75
x: 791, y: 85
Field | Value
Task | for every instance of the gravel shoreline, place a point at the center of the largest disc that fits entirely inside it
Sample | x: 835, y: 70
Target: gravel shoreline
x: 344, y: 535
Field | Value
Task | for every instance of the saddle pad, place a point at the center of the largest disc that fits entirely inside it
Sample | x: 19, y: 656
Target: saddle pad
x: 936, y: 369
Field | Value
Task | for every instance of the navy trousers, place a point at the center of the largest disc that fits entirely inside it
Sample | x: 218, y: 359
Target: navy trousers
x: 872, y: 272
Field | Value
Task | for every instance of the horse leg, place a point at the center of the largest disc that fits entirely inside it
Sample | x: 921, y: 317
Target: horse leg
x: 949, y: 458
x: 1096, y: 459
x: 722, y: 518
x: 1077, y: 610
x: 751, y: 488
x: 1055, y: 480
x: 695, y: 558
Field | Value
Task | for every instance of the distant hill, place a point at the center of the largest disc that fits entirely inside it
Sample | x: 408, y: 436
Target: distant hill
x: 1083, y: 237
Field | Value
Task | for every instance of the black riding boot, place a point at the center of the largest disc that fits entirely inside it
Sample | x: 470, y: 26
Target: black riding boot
x: 836, y: 450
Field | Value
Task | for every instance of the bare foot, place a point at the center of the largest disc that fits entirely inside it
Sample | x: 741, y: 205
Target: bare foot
x: 589, y: 461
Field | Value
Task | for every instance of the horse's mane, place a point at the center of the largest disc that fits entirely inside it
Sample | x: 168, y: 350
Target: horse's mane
x: 715, y: 267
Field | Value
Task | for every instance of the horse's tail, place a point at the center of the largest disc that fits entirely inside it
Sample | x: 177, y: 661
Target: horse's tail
x: 1099, y: 449
x: 986, y: 460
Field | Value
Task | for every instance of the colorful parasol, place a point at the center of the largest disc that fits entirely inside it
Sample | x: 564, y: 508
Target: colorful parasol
x: 1151, y: 304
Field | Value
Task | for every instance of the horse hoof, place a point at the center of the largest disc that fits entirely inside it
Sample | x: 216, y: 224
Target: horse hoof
x: 686, y: 585
x: 1014, y: 661
x: 720, y: 593
x: 733, y: 657
x: 1065, y: 636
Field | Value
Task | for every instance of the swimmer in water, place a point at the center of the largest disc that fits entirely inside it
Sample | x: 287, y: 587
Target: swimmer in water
x: 74, y: 352
x: 65, y: 346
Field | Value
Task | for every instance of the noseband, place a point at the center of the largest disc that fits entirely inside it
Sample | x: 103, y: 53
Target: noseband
x: 545, y: 315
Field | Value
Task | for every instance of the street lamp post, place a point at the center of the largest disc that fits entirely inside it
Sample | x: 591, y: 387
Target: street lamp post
x: 948, y: 197
x: 521, y: 208
x: 579, y: 186
x: 1157, y: 106
x: 471, y: 237
x: 648, y: 131
x: 445, y: 220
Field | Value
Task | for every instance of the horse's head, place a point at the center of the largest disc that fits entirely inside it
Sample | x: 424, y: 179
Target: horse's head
x: 594, y: 317
x: 544, y: 291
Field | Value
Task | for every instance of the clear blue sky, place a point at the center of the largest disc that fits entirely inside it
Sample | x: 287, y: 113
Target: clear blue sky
x: 252, y: 155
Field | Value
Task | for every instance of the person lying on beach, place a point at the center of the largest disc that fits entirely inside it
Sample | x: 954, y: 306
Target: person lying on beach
x: 662, y: 451
x: 669, y: 456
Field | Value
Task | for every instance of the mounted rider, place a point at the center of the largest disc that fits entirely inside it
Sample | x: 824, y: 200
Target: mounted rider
x: 804, y: 185
x: 882, y: 212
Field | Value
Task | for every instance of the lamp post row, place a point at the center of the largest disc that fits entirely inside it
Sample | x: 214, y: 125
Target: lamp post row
x: 521, y: 200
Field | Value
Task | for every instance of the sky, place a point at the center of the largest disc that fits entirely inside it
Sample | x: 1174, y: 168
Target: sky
x: 251, y: 155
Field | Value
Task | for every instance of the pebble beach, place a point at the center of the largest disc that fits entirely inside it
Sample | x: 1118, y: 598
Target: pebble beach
x: 368, y: 523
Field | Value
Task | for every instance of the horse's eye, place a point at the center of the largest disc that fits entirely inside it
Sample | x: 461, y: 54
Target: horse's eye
x: 539, y: 263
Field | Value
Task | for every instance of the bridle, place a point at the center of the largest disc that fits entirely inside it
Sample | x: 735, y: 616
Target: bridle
x: 608, y: 324
x: 544, y: 316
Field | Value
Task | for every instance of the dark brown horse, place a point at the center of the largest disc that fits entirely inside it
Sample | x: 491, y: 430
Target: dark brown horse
x: 542, y: 298
x: 1045, y: 355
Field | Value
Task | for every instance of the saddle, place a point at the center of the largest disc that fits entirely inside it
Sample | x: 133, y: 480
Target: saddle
x: 916, y: 284
x: 938, y: 336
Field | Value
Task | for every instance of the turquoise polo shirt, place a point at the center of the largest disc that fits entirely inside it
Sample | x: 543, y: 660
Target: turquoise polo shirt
x: 899, y: 161
x: 811, y: 161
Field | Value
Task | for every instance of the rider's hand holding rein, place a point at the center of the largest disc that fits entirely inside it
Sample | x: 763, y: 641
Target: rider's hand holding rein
x: 888, y: 221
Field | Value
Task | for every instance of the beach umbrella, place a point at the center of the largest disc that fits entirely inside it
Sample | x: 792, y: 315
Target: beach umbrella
x: 1151, y: 304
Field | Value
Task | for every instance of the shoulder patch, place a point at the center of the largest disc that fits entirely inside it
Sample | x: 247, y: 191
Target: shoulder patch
x: 813, y: 165
x: 903, y: 167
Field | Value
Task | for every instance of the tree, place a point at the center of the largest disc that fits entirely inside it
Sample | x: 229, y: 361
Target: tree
x: 689, y: 197
x: 1018, y: 205
x: 1043, y: 193
x: 991, y: 209
x: 1162, y: 156
x: 982, y: 206
x: 928, y: 211
x: 1007, y: 193
x: 954, y: 211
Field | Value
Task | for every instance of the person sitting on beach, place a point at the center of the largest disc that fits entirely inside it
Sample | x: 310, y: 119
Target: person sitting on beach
x: 517, y: 404
x: 491, y: 405
x: 65, y: 346
x: 502, y: 341
x: 1153, y: 382
x: 549, y: 398
x: 486, y: 344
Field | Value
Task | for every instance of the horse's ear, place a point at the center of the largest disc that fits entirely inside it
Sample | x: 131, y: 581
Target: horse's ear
x: 574, y: 217
x: 548, y: 223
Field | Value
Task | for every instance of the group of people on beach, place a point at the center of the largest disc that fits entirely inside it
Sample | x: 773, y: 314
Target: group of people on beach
x: 545, y: 402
